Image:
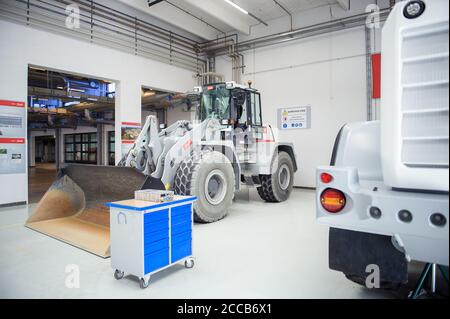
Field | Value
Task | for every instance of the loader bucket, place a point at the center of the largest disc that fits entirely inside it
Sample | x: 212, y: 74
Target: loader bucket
x: 73, y: 209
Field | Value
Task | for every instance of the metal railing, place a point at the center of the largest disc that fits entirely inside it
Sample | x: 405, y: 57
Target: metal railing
x: 105, y: 26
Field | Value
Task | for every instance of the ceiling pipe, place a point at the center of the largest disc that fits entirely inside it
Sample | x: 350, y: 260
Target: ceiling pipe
x: 287, y: 11
x: 194, y: 16
x: 258, y: 19
x: 312, y: 30
x: 152, y: 3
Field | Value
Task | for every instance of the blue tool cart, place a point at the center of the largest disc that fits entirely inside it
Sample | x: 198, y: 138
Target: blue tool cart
x: 148, y: 237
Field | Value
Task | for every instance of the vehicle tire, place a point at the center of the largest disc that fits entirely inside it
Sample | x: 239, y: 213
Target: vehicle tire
x: 209, y: 176
x: 385, y: 285
x: 277, y: 187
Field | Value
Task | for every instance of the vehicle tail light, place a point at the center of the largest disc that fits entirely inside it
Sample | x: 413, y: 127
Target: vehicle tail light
x: 326, y: 178
x: 332, y: 200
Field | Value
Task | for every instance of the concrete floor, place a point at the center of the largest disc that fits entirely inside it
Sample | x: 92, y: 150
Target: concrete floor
x: 260, y: 250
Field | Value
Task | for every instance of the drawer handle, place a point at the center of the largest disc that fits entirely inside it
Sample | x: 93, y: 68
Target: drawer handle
x: 124, y: 218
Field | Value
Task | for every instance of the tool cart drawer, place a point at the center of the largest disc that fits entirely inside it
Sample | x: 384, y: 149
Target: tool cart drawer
x: 156, y: 260
x: 181, y: 250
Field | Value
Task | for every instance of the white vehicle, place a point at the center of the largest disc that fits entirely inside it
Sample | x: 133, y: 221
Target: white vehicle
x: 385, y: 194
x: 226, y: 146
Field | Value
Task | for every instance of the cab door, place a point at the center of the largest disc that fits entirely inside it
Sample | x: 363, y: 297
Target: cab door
x: 255, y: 130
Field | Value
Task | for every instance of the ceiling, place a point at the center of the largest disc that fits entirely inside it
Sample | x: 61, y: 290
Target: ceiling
x: 268, y: 9
x: 209, y: 19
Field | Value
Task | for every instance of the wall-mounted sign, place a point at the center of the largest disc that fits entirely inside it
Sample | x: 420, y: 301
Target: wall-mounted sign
x: 130, y: 132
x: 294, y: 118
x: 12, y: 137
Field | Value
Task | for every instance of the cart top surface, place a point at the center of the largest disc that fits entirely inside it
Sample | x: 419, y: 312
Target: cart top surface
x: 140, y: 205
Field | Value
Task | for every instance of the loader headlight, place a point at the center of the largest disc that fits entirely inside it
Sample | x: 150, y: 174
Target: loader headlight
x: 414, y: 9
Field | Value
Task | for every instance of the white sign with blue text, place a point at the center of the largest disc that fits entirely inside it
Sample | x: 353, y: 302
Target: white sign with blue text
x: 294, y: 118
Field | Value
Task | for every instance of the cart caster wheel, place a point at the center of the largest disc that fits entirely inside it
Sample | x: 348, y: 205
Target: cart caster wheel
x: 144, y: 283
x: 118, y: 274
x: 189, y: 263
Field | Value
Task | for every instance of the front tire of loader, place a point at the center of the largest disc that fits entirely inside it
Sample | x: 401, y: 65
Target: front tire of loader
x: 277, y: 187
x: 209, y: 176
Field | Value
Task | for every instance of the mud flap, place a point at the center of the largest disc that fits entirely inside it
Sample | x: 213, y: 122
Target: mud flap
x: 351, y: 252
x: 73, y: 209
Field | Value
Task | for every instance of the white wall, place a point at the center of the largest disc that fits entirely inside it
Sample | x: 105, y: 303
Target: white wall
x: 327, y: 72
x: 21, y: 46
x: 178, y: 114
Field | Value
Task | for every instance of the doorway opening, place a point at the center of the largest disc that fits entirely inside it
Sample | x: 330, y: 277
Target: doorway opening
x: 70, y: 120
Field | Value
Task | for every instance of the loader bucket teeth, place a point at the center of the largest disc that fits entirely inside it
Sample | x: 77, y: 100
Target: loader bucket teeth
x: 73, y: 209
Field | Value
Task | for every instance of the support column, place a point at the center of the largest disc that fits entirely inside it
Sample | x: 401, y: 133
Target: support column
x: 59, y: 148
x: 31, y: 150
x: 128, y: 110
x: 100, y: 144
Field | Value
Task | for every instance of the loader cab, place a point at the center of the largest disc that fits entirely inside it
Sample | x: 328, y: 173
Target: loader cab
x: 238, y: 108
x: 230, y: 103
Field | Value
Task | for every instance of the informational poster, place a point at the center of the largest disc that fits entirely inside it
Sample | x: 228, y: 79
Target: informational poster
x: 130, y: 132
x: 12, y: 137
x: 294, y: 118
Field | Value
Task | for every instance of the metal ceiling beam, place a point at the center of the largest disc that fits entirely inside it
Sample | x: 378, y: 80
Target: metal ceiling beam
x: 180, y: 18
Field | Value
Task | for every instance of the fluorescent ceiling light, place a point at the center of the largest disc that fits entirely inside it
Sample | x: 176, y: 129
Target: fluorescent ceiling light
x: 71, y: 103
x: 236, y: 6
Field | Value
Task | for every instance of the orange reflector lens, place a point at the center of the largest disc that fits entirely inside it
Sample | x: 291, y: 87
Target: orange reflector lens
x: 332, y: 200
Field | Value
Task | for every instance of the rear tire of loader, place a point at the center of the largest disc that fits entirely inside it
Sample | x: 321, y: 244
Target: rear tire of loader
x: 277, y: 187
x: 209, y: 176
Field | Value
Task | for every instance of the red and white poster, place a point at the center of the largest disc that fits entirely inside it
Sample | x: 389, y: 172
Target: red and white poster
x: 12, y: 137
x: 130, y: 132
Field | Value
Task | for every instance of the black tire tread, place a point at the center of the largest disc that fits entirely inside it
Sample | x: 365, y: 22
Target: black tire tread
x: 265, y: 191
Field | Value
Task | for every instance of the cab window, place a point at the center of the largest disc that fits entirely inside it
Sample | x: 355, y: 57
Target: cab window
x: 256, y: 109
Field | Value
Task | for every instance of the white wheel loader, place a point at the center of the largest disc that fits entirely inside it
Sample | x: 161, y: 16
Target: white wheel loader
x: 226, y: 146
x: 385, y: 194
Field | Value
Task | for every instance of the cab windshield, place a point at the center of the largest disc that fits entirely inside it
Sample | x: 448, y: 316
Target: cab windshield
x: 215, y: 102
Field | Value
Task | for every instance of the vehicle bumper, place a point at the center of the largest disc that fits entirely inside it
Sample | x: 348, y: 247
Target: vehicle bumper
x: 420, y: 239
